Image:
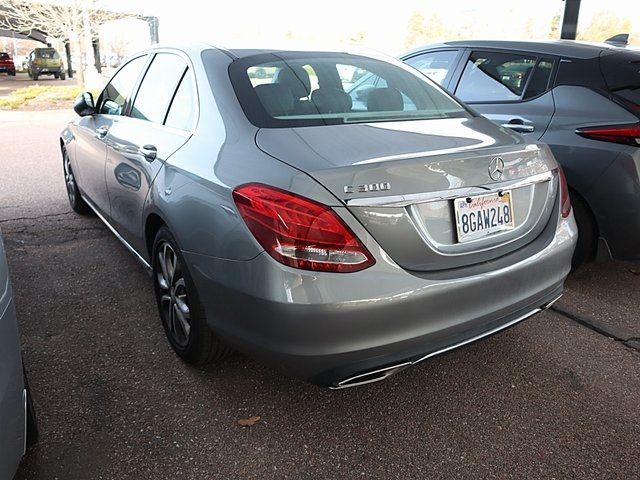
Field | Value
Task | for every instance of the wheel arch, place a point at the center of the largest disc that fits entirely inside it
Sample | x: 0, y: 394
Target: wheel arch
x: 152, y: 224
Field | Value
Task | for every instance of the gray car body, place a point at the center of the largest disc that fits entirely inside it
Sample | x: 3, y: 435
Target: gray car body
x: 12, y: 389
x: 605, y: 175
x: 324, y: 327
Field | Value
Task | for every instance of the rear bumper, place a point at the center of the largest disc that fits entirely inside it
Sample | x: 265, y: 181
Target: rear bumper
x: 328, y: 328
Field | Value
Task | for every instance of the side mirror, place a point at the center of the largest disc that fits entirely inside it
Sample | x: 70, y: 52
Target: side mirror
x: 84, y: 105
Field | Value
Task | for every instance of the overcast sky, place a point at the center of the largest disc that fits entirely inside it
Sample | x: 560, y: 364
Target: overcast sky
x: 382, y: 24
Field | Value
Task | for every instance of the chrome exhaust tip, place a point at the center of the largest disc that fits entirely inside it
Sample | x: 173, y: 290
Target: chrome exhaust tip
x: 370, y: 376
x: 548, y: 304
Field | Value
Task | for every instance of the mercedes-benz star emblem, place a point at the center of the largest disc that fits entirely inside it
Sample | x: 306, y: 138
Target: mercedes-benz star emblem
x: 496, y: 168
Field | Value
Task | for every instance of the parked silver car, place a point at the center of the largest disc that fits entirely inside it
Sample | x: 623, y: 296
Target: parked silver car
x: 17, y: 416
x: 583, y: 100
x: 342, y: 240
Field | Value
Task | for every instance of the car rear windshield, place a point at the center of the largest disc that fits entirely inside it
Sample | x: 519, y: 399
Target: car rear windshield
x: 47, y: 54
x: 296, y: 89
x: 622, y: 74
x: 4, y: 56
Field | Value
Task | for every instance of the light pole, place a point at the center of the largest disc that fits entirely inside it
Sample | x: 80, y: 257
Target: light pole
x: 570, y: 19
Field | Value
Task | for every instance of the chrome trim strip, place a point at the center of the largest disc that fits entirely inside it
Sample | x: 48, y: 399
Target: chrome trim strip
x: 482, y: 335
x: 115, y: 232
x: 24, y: 402
x: 410, y: 199
x: 401, y: 366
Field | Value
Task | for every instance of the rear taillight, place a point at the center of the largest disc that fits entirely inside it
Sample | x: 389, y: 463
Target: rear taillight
x: 300, y: 232
x: 565, y: 201
x: 627, y: 134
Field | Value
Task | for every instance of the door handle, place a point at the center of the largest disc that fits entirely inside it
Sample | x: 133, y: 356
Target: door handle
x: 149, y: 152
x: 519, y: 126
x: 102, y: 131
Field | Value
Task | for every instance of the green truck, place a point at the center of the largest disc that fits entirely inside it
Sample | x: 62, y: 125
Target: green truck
x: 45, y: 61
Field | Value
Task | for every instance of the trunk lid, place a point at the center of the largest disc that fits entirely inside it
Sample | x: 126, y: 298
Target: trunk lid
x: 400, y: 180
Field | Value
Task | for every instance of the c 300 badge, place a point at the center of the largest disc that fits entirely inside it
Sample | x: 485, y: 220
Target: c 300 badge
x: 367, y: 187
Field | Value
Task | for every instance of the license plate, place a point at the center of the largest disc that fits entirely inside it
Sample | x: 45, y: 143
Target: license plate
x: 483, y: 215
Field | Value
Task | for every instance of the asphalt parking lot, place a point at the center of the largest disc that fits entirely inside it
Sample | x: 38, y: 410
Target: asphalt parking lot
x: 557, y: 396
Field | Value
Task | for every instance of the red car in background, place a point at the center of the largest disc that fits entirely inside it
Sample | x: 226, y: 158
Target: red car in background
x: 6, y: 64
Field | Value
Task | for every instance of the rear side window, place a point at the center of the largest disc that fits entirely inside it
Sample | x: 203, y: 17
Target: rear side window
x: 435, y: 65
x: 622, y: 74
x: 183, y: 106
x: 539, y: 82
x: 157, y: 87
x: 296, y: 89
x: 117, y: 91
x: 495, y: 77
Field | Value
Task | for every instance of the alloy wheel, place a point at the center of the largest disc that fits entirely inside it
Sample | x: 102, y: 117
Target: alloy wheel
x: 69, y: 180
x: 173, y: 295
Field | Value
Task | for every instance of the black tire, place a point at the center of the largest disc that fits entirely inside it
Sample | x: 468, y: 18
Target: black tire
x: 56, y: 76
x: 32, y: 421
x: 174, y: 291
x: 587, y: 232
x: 73, y: 193
x: 34, y: 78
x: 13, y: 74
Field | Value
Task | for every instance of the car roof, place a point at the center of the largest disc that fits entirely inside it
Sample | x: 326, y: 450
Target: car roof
x: 561, y: 48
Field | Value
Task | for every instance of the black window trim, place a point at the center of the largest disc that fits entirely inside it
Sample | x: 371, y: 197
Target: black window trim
x: 151, y: 54
x: 538, y: 56
x: 141, y: 80
x: 196, y: 110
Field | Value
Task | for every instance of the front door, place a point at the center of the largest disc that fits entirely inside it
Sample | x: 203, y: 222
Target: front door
x: 91, y: 133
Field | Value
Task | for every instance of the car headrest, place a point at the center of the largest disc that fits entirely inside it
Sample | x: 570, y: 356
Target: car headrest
x: 276, y: 98
x: 384, y: 100
x: 296, y: 78
x: 331, y: 100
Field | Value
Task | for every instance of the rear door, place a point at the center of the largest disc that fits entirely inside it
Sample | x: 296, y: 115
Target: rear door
x: 160, y: 121
x: 512, y: 89
x: 91, y: 132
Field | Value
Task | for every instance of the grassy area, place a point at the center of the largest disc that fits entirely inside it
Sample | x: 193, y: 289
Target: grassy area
x: 45, y: 96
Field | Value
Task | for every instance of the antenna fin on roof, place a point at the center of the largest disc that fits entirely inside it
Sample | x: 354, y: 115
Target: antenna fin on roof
x: 622, y: 39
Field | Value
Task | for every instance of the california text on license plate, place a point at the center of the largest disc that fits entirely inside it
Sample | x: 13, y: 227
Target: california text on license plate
x: 482, y: 215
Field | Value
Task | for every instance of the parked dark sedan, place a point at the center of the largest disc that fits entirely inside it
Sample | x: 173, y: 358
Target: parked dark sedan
x: 583, y: 100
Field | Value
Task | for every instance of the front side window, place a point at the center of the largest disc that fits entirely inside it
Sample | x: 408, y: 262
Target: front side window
x: 291, y: 89
x: 157, y: 87
x: 495, y: 77
x: 115, y: 94
x: 435, y: 65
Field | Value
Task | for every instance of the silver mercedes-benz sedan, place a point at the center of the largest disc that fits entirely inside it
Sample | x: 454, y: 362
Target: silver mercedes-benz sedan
x: 341, y: 236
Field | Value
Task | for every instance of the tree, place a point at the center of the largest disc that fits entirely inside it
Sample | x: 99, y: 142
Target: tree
x: 73, y: 21
x: 554, y: 33
x: 604, y: 25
